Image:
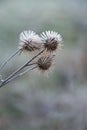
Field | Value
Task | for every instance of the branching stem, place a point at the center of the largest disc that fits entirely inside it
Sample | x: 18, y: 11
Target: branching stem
x: 19, y: 69
x: 3, y: 64
x: 20, y: 74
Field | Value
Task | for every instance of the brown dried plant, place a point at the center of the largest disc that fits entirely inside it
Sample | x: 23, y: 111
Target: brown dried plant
x: 48, y: 41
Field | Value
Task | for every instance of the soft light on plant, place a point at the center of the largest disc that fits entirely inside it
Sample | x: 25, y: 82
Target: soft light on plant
x: 48, y: 41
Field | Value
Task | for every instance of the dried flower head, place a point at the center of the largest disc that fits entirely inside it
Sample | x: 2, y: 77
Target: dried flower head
x: 44, y: 62
x: 29, y: 41
x: 52, y: 40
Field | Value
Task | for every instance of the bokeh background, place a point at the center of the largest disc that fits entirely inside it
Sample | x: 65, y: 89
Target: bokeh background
x: 34, y: 101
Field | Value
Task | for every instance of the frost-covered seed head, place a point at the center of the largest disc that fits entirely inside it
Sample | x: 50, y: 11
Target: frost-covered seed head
x: 52, y: 40
x: 29, y: 41
x: 44, y: 62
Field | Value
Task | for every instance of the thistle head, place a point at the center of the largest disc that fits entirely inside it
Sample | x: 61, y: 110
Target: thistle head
x: 44, y: 62
x: 52, y: 40
x: 29, y: 41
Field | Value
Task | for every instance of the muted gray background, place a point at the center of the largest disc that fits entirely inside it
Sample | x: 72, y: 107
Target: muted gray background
x: 35, y: 102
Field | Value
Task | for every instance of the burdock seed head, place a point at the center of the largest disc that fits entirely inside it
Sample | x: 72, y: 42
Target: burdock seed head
x: 52, y: 40
x: 29, y: 41
x: 44, y: 62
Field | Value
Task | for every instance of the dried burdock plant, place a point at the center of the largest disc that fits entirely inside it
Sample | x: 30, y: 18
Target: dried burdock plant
x: 45, y: 62
x: 42, y: 60
x: 29, y: 41
x: 52, y: 40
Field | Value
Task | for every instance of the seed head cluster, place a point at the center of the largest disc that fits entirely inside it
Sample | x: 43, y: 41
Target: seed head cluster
x: 49, y: 41
x: 44, y: 44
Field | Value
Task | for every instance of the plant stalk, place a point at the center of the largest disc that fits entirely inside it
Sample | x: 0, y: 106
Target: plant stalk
x: 19, y: 69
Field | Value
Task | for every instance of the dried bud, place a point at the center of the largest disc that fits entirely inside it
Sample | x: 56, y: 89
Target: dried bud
x: 29, y: 41
x: 44, y: 62
x: 52, y: 40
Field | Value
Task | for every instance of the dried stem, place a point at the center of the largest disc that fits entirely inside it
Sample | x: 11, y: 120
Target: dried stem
x: 20, y: 74
x: 19, y: 69
x: 3, y: 64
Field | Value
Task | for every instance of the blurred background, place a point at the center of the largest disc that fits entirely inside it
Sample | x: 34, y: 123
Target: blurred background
x: 34, y: 101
